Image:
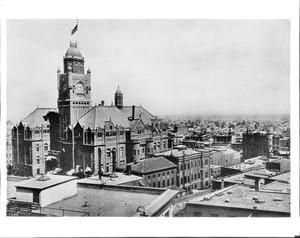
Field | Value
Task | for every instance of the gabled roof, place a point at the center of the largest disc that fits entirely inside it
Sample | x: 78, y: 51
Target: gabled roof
x: 98, y: 115
x: 152, y: 165
x: 36, y: 117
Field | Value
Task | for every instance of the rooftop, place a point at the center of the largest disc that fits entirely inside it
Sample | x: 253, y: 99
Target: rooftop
x: 277, y: 187
x: 151, y: 165
x: 180, y: 153
x: 99, y: 115
x: 238, y: 196
x: 285, y: 177
x: 121, y: 179
x: 35, y: 118
x: 36, y: 183
x: 118, y: 201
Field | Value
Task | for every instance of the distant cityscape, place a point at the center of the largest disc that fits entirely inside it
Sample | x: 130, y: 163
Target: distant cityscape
x: 112, y: 159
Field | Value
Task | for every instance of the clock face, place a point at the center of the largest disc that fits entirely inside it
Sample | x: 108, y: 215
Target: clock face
x: 80, y: 88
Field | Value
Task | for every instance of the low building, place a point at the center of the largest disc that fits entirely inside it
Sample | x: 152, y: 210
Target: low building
x: 157, y: 171
x: 45, y: 190
x: 279, y: 165
x: 240, y: 201
x: 88, y: 197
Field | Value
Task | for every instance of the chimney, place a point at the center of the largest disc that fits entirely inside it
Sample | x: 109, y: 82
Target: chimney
x: 133, y: 109
x: 128, y: 169
x: 222, y: 184
x: 132, y: 116
x: 257, y: 184
x: 102, y: 103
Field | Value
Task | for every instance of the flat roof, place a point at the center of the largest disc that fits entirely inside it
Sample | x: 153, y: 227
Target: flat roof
x: 277, y: 186
x: 180, y: 153
x: 54, y: 180
x: 12, y: 181
x: 242, y: 197
x: 104, y: 202
x: 282, y: 177
x: 121, y: 179
x: 240, y: 179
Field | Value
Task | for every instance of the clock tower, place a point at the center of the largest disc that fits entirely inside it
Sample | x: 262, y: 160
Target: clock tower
x: 74, y: 88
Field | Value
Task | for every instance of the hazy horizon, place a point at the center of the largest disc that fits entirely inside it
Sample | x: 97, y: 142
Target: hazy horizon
x: 168, y: 66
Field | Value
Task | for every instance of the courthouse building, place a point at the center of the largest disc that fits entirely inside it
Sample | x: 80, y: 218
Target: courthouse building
x: 79, y: 134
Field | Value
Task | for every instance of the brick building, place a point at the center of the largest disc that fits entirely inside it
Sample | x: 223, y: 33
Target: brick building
x: 158, y: 171
x: 31, y: 142
x: 193, y: 167
x: 99, y: 137
x: 256, y: 144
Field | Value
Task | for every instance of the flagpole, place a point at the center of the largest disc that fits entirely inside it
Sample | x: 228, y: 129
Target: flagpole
x: 77, y: 34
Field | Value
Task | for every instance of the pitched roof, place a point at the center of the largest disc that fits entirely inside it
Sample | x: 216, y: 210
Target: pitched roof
x: 98, y: 115
x: 36, y: 117
x: 151, y: 165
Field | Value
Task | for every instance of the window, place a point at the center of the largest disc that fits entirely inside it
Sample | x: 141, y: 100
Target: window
x: 206, y: 162
x: 37, y: 147
x: 154, y: 146
x: 148, y: 150
x: 158, y: 145
x: 108, y: 153
x: 45, y: 146
x: 168, y: 183
x: 172, y: 181
x: 37, y: 160
x: 164, y: 144
x: 38, y: 171
x: 153, y: 185
x: 148, y: 176
x: 99, y: 134
x: 153, y: 175
x: 121, y: 151
x: 163, y: 183
x: 206, y: 174
x: 134, y: 152
x: 158, y: 174
x: 159, y: 184
x: 37, y: 132
x: 143, y: 150
x: 163, y: 174
x: 138, y: 152
x: 188, y: 165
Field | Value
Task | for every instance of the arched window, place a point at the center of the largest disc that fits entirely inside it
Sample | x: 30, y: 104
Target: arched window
x: 108, y: 153
x: 45, y: 146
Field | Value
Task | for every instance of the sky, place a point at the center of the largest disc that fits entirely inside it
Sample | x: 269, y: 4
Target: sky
x: 170, y: 67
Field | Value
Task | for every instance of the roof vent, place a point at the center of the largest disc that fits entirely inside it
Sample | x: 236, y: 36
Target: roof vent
x: 255, y: 198
x: 259, y: 201
x: 219, y: 194
x: 229, y: 192
x: 227, y: 200
x: 277, y: 199
x: 43, y: 177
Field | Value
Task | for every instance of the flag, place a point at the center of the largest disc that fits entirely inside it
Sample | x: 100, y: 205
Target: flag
x: 74, y: 29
